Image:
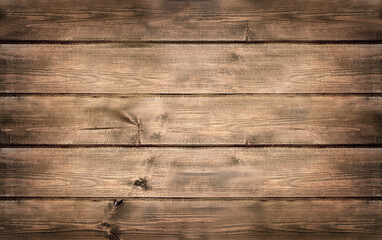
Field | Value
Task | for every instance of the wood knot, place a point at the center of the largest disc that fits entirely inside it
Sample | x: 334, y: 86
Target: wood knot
x: 155, y: 136
x: 111, y: 232
x: 235, y: 56
x: 235, y: 161
x: 163, y: 117
x: 117, y: 203
x: 150, y: 161
x: 105, y: 225
x: 141, y: 182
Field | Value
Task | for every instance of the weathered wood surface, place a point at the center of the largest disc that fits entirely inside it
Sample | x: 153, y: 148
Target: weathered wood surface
x: 190, y: 68
x: 190, y: 172
x: 291, y: 190
x: 213, y: 20
x: 246, y: 120
x: 300, y: 219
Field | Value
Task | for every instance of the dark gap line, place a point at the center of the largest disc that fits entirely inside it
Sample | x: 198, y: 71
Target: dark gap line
x: 373, y: 145
x: 125, y: 198
x: 134, y: 95
x: 104, y: 41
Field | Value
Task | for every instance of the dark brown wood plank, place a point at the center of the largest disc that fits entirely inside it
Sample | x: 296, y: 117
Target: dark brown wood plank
x: 68, y: 219
x: 190, y: 68
x: 192, y: 120
x: 163, y: 20
x: 190, y: 172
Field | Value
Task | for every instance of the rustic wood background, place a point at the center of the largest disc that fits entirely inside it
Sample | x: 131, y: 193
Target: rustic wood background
x: 190, y: 119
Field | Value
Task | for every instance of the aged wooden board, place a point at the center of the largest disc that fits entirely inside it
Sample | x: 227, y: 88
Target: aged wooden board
x: 191, y: 172
x: 192, y: 120
x: 300, y: 219
x: 190, y: 68
x: 212, y: 20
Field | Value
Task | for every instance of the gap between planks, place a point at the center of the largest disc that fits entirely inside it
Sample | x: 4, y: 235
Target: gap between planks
x: 134, y: 95
x: 80, y: 42
x: 308, y: 146
x: 58, y: 198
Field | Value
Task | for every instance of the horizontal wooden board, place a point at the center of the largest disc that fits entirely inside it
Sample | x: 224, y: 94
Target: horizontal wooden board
x: 68, y: 219
x: 190, y: 68
x: 191, y: 120
x: 163, y: 20
x: 190, y: 172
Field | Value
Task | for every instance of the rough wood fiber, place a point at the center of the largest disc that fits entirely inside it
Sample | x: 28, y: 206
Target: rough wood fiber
x: 193, y: 53
x: 212, y: 20
x: 246, y: 120
x: 190, y: 68
x: 185, y: 172
x: 67, y: 219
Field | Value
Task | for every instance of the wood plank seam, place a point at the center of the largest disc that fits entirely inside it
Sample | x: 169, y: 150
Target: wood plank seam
x: 133, y: 145
x: 181, y: 42
x: 208, y: 199
x: 138, y: 95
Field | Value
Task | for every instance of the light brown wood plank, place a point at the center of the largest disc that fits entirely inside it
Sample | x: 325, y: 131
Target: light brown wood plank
x: 237, y: 20
x: 244, y: 120
x: 67, y: 219
x: 190, y: 172
x: 190, y: 68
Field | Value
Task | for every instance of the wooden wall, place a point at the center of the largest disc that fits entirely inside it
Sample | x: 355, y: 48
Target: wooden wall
x: 189, y: 119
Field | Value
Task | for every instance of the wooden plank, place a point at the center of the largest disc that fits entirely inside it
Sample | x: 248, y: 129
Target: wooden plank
x: 163, y: 20
x: 190, y: 172
x: 192, y: 120
x: 68, y: 219
x: 190, y: 68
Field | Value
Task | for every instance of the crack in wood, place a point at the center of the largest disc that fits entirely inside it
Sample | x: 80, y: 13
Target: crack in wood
x: 125, y: 117
x: 101, y: 128
x: 247, y: 31
x: 137, y: 138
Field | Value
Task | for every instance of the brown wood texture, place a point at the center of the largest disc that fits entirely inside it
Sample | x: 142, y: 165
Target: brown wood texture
x: 189, y: 119
x: 190, y: 68
x: 190, y: 172
x: 243, y: 120
x: 68, y: 219
x: 183, y: 20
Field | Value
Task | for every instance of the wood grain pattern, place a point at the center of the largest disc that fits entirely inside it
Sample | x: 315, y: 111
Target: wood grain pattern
x: 190, y: 172
x: 212, y: 20
x: 190, y: 68
x: 68, y: 219
x: 246, y: 120
x: 189, y: 119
